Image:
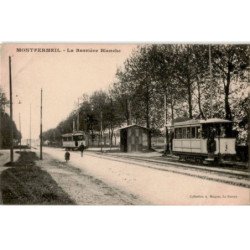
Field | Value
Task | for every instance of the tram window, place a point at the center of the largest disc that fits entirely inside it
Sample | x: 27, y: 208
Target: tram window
x: 193, y: 134
x: 181, y: 133
x: 198, y: 132
x: 184, y: 133
x: 78, y: 137
x: 205, y: 131
x: 178, y: 133
x: 222, y: 131
x: 188, y: 132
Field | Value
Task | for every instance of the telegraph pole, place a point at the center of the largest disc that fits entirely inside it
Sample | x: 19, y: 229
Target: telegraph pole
x: 11, y: 115
x: 165, y: 119
x: 20, y: 132
x: 41, y: 127
x: 101, y: 131
x: 30, y: 125
x: 74, y: 127
x: 78, y: 118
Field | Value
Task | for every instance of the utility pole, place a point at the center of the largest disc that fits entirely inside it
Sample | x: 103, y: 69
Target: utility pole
x: 30, y: 125
x: 101, y: 131
x: 20, y: 132
x: 211, y: 83
x: 74, y: 125
x: 78, y: 121
x: 11, y: 115
x: 41, y: 127
x: 111, y: 127
x: 165, y: 119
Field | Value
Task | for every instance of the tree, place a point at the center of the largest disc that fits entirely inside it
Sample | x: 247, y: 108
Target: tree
x: 5, y: 124
x: 230, y: 66
x: 136, y: 79
x: 191, y: 64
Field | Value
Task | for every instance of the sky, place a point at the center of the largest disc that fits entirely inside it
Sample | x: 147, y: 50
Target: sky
x: 64, y: 76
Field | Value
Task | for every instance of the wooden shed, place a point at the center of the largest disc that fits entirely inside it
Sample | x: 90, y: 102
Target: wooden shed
x: 133, y: 138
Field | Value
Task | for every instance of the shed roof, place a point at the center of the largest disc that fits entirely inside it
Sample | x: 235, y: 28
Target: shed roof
x: 133, y: 125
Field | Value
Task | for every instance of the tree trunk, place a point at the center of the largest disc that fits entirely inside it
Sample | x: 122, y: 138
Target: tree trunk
x: 172, y: 110
x: 199, y: 101
x: 112, y: 135
x: 227, y: 105
x: 127, y: 113
x: 0, y: 128
x: 190, y: 108
x: 92, y: 136
x: 109, y: 132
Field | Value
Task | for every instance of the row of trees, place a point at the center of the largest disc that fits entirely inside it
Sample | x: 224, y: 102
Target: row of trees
x: 181, y: 73
x: 5, y: 124
x: 91, y: 111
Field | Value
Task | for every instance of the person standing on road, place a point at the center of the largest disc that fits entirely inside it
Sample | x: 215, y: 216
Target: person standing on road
x: 67, y: 156
x: 81, y: 148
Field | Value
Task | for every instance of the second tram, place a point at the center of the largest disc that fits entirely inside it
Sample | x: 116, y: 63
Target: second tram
x: 72, y: 141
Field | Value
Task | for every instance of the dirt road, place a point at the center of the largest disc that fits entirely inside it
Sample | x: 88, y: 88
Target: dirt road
x: 91, y: 180
x: 84, y: 188
x: 154, y: 186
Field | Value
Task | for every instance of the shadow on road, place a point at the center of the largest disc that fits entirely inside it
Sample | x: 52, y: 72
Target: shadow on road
x: 23, y: 182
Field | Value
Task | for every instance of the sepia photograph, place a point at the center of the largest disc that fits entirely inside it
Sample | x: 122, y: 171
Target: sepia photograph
x: 124, y: 124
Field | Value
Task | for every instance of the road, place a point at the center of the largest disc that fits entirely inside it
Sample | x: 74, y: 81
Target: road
x: 153, y: 185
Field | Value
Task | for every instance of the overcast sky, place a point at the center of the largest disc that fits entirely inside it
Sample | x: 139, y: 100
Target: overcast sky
x: 63, y: 76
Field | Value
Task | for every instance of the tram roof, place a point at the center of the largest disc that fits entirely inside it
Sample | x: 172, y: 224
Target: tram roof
x: 74, y: 133
x: 193, y: 122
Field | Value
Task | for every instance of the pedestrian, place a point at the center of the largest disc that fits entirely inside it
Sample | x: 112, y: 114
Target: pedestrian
x: 67, y: 156
x: 81, y: 148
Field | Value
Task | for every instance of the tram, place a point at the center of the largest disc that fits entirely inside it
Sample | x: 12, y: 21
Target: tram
x: 210, y: 140
x: 72, y: 141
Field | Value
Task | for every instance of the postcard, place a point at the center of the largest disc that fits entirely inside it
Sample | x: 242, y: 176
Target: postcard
x: 124, y: 124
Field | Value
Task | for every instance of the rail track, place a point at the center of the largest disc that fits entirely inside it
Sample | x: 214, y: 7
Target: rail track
x: 229, y: 176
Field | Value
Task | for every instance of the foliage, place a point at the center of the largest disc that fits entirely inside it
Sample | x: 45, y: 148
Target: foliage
x: 5, y: 124
x: 181, y: 72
